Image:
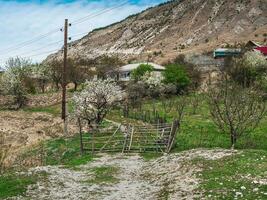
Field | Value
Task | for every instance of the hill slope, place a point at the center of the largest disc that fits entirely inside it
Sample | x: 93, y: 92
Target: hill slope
x: 179, y: 26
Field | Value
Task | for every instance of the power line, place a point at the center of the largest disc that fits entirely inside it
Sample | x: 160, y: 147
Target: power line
x: 27, y: 43
x: 42, y: 53
x: 83, y: 19
x: 75, y: 22
x: 50, y: 44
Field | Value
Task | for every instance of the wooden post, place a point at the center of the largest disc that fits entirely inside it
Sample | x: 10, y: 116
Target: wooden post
x: 93, y: 142
x: 81, y: 135
x: 132, y: 132
x: 64, y: 73
x: 175, y: 126
x: 125, y: 140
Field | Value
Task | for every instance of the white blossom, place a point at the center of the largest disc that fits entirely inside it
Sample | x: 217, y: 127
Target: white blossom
x: 255, y: 59
x: 96, y: 99
x: 152, y: 79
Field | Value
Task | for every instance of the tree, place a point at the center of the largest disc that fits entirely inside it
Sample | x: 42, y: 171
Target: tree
x: 191, y: 70
x: 40, y: 72
x: 247, y: 70
x: 76, y: 73
x: 95, y: 100
x: 108, y: 65
x: 55, y: 72
x: 180, y: 106
x: 175, y: 74
x: 234, y: 109
x: 140, y: 71
x: 14, y: 79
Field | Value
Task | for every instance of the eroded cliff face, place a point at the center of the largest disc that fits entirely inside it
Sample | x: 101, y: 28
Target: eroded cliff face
x: 185, y: 26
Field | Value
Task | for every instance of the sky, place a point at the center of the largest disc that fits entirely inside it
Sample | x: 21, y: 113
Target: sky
x: 24, y: 24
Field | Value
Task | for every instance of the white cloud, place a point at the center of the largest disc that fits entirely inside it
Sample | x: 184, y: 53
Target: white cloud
x: 22, y: 22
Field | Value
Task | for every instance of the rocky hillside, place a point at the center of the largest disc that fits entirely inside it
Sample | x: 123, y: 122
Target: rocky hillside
x: 179, y: 26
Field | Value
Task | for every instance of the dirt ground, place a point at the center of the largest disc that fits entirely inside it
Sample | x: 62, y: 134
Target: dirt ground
x: 19, y: 130
x: 168, y: 177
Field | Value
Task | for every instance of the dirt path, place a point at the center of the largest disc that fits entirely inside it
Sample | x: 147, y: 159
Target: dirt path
x: 168, y: 177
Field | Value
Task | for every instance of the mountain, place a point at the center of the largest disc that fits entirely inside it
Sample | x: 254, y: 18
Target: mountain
x: 177, y: 27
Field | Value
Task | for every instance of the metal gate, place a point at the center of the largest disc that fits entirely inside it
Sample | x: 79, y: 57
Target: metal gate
x: 130, y: 138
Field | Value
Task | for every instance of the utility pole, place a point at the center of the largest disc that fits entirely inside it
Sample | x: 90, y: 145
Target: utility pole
x: 64, y: 75
x: 64, y: 71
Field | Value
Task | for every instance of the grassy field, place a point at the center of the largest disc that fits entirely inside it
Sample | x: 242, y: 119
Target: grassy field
x: 197, y: 128
x: 226, y: 178
x: 234, y: 177
x: 199, y: 131
x: 14, y: 183
x: 62, y: 151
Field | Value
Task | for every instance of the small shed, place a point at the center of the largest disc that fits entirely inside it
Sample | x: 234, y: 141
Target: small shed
x: 226, y: 52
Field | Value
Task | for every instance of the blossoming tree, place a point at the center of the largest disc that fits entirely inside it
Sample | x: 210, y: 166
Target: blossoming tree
x: 13, y: 79
x: 95, y: 100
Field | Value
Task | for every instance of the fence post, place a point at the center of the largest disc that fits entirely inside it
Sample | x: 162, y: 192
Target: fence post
x: 81, y: 135
x: 175, y: 126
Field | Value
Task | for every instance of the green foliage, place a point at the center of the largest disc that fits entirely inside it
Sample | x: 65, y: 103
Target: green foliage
x: 14, y: 184
x: 175, y: 74
x: 222, y: 179
x: 140, y: 71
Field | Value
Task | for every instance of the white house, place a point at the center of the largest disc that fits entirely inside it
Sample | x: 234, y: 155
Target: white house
x: 125, y: 71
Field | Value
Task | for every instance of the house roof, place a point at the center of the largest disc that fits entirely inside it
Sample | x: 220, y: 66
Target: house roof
x: 263, y: 50
x: 131, y: 67
x: 230, y: 50
x: 253, y: 43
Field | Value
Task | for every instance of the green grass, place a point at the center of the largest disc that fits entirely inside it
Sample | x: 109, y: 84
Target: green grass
x: 104, y: 174
x: 199, y: 131
x: 61, y: 152
x: 147, y: 156
x: 14, y: 184
x: 55, y: 110
x: 66, y: 152
x: 222, y: 179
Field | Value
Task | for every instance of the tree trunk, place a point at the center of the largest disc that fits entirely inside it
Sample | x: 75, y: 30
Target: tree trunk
x: 75, y: 86
x: 233, y: 140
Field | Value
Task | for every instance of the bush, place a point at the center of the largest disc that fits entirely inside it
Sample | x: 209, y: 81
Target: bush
x: 140, y: 71
x: 248, y: 70
x: 175, y: 74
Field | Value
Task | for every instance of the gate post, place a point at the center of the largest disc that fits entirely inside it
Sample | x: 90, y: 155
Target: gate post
x: 81, y: 135
x: 175, y: 126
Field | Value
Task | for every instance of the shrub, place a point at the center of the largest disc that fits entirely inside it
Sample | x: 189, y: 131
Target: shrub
x: 15, y: 80
x: 248, y: 69
x: 175, y: 74
x: 140, y: 71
